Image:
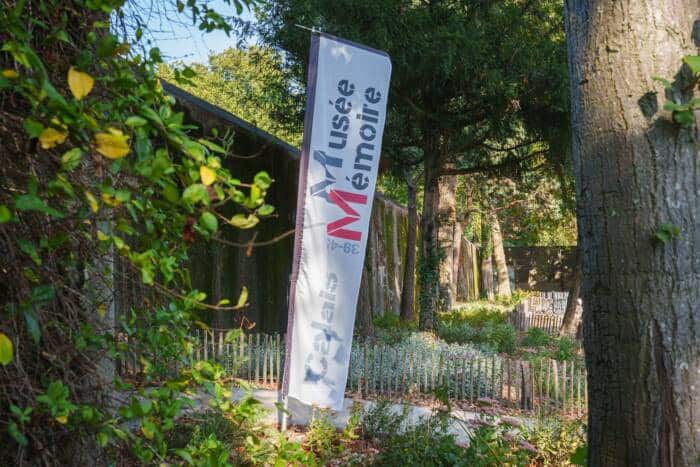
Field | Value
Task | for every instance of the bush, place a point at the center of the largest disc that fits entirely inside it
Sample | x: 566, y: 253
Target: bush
x: 566, y: 349
x: 556, y: 440
x: 424, y: 444
x: 455, y: 331
x: 482, y: 325
x: 322, y: 438
x: 380, y: 422
x: 493, y: 446
x: 387, y: 321
x: 502, y: 337
x: 536, y: 338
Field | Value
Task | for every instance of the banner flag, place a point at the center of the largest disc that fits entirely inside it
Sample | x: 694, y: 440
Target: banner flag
x: 348, y: 86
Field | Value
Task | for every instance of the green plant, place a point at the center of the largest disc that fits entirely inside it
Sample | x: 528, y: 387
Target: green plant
x: 107, y: 184
x: 566, y: 348
x: 322, y: 437
x: 455, y: 331
x: 536, y: 337
x: 426, y: 443
x: 501, y: 336
x: 683, y: 115
x: 380, y: 421
x: 555, y: 440
x: 493, y: 446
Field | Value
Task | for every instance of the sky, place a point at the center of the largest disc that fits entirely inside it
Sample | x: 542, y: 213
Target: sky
x: 180, y: 41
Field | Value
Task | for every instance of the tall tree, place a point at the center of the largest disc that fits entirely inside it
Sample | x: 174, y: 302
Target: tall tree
x: 251, y: 83
x: 514, y: 72
x: 499, y: 258
x: 637, y: 175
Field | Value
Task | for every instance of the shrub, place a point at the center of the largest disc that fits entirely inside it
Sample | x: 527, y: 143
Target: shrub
x: 455, y: 331
x: 322, y: 438
x: 387, y: 321
x: 536, y: 338
x: 493, y: 446
x: 424, y: 444
x: 427, y: 443
x: 502, y: 337
x: 556, y: 439
x: 566, y: 349
x: 380, y: 422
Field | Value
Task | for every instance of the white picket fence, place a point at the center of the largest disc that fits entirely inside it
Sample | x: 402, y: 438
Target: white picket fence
x: 383, y: 370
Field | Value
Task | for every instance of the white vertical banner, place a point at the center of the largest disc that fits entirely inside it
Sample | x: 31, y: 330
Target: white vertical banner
x: 346, y: 110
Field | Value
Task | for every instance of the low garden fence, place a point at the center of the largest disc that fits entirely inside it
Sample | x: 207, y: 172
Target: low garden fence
x: 522, y: 320
x: 401, y: 372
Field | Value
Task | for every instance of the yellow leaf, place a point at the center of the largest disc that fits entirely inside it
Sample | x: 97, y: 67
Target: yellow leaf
x: 6, y: 350
x: 243, y: 298
x: 94, y: 205
x: 110, y: 200
x: 50, y: 137
x: 10, y: 73
x: 62, y: 419
x: 113, y: 144
x: 102, y: 310
x: 207, y: 175
x: 80, y: 83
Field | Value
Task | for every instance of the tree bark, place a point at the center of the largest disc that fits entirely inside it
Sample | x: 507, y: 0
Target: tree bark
x: 430, y: 254
x: 409, y: 272
x: 487, y: 263
x: 636, y: 170
x: 499, y: 257
x: 446, y: 236
x: 572, y: 313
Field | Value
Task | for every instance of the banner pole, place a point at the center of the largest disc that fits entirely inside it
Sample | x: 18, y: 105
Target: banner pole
x: 299, y: 228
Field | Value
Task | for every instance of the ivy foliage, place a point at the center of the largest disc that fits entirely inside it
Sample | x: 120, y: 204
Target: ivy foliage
x: 103, y: 188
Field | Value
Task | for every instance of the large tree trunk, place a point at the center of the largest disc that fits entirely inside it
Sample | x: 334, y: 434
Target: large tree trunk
x: 430, y: 254
x: 409, y: 272
x: 499, y: 257
x: 446, y: 237
x: 636, y: 170
x: 572, y: 313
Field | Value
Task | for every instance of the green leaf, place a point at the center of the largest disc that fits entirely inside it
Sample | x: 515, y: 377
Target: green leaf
x: 14, y: 431
x: 6, y: 350
x: 30, y: 250
x: 242, y: 221
x: 266, y: 210
x: 263, y: 180
x: 232, y: 335
x: 181, y: 452
x: 212, y: 146
x: 209, y: 221
x: 693, y: 62
x: 31, y: 202
x: 41, y: 294
x: 71, y: 158
x: 242, y: 298
x: 579, y: 456
x: 170, y: 193
x: 666, y: 232
x: 5, y: 214
x: 195, y: 193
x: 102, y: 438
x: 673, y: 107
x: 685, y: 118
x: 195, y: 150
x: 32, y: 326
x: 32, y: 127
x: 135, y: 121
x: 664, y: 81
